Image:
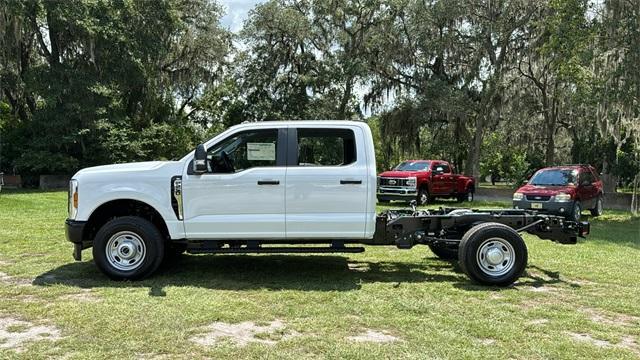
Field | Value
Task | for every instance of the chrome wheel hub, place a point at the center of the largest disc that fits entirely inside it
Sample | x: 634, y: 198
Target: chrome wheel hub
x: 125, y: 251
x: 496, y: 256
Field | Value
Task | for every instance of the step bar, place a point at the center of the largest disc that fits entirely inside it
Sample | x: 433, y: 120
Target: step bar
x: 251, y: 247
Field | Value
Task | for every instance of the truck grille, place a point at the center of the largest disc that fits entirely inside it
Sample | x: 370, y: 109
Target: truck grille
x: 538, y: 197
x: 393, y: 182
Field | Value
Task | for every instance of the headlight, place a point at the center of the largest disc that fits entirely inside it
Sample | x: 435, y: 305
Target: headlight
x: 518, y: 196
x: 411, y: 181
x: 562, y: 197
x: 73, y: 199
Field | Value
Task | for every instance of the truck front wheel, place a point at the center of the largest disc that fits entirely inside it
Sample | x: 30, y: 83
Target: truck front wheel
x: 493, y: 254
x: 423, y: 197
x: 128, y: 248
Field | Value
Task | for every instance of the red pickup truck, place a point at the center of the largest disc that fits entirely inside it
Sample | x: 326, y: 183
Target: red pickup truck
x: 424, y: 180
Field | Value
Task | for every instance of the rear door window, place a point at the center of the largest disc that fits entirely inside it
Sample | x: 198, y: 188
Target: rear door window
x: 325, y: 147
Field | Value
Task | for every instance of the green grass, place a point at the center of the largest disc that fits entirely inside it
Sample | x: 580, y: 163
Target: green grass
x: 572, y: 297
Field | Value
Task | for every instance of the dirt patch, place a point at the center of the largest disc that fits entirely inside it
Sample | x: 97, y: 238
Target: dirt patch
x: 375, y: 336
x: 15, y: 333
x: 4, y: 262
x: 487, y: 341
x: 629, y: 343
x: 11, y: 280
x: 84, y: 297
x: 542, y: 289
x: 606, y: 318
x: 537, y: 322
x: 589, y: 339
x: 244, y: 333
x: 626, y: 343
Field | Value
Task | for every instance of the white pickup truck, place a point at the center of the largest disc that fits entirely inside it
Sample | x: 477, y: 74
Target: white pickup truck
x: 275, y: 186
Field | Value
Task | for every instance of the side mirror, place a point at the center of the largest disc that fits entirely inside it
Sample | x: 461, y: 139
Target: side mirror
x: 200, y: 160
x: 439, y: 170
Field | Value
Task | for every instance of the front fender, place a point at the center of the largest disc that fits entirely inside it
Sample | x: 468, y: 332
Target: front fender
x: 154, y: 195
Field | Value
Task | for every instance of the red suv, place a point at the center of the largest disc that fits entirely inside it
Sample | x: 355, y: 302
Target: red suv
x: 563, y: 190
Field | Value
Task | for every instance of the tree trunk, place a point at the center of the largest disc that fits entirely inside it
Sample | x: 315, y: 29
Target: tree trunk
x: 346, y: 96
x: 473, y: 160
x: 551, y: 143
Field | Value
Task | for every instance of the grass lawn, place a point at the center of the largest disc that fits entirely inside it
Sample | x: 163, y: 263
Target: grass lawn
x: 577, y: 301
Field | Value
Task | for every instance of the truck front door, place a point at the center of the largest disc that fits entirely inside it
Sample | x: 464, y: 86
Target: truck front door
x: 441, y: 179
x: 326, y: 193
x: 242, y: 194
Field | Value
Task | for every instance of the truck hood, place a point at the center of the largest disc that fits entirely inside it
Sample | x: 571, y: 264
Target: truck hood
x: 142, y: 168
x: 403, y: 174
x: 545, y: 190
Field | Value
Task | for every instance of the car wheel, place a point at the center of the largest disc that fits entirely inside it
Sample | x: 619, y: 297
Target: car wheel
x: 444, y: 252
x: 576, y: 212
x: 493, y: 254
x: 423, y: 197
x: 128, y: 248
x: 598, y: 209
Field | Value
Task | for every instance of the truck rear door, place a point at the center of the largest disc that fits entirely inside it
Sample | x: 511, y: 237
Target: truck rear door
x: 326, y: 183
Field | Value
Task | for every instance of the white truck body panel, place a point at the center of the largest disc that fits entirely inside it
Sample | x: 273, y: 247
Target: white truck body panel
x: 308, y: 203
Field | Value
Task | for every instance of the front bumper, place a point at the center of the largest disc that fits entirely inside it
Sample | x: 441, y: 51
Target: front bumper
x: 74, y: 231
x: 548, y: 207
x: 396, y: 193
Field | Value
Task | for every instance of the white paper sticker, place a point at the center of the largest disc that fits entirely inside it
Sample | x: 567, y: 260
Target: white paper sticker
x: 261, y: 151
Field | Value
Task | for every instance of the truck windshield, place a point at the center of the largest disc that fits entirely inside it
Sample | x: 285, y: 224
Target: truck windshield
x: 554, y: 178
x: 413, y: 166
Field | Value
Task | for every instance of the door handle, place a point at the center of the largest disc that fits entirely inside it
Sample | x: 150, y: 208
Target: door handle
x: 355, y: 182
x: 268, y: 182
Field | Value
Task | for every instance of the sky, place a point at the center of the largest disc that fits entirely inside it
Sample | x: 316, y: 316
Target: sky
x: 236, y: 12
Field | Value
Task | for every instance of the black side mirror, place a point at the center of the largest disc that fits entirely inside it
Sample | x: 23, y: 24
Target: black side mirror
x: 200, y: 160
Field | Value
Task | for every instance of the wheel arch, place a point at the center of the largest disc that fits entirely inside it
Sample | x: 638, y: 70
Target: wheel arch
x: 123, y: 207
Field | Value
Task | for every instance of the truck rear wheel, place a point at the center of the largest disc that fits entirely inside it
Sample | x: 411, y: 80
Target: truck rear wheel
x: 597, y: 210
x: 468, y: 196
x: 444, y: 252
x: 493, y: 254
x: 128, y: 248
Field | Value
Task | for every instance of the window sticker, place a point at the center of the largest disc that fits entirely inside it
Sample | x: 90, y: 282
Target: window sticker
x: 261, y: 151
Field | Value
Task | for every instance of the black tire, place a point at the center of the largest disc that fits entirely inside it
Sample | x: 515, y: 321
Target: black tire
x: 475, y: 262
x: 139, y: 234
x: 597, y: 209
x: 423, y: 197
x: 468, y: 196
x: 576, y: 211
x: 444, y: 252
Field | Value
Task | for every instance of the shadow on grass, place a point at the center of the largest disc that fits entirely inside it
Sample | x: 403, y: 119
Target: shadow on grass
x: 538, y: 278
x: 275, y: 272
x: 250, y: 272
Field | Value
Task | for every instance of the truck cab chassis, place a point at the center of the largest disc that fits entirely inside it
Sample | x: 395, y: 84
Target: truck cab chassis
x: 283, y: 187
